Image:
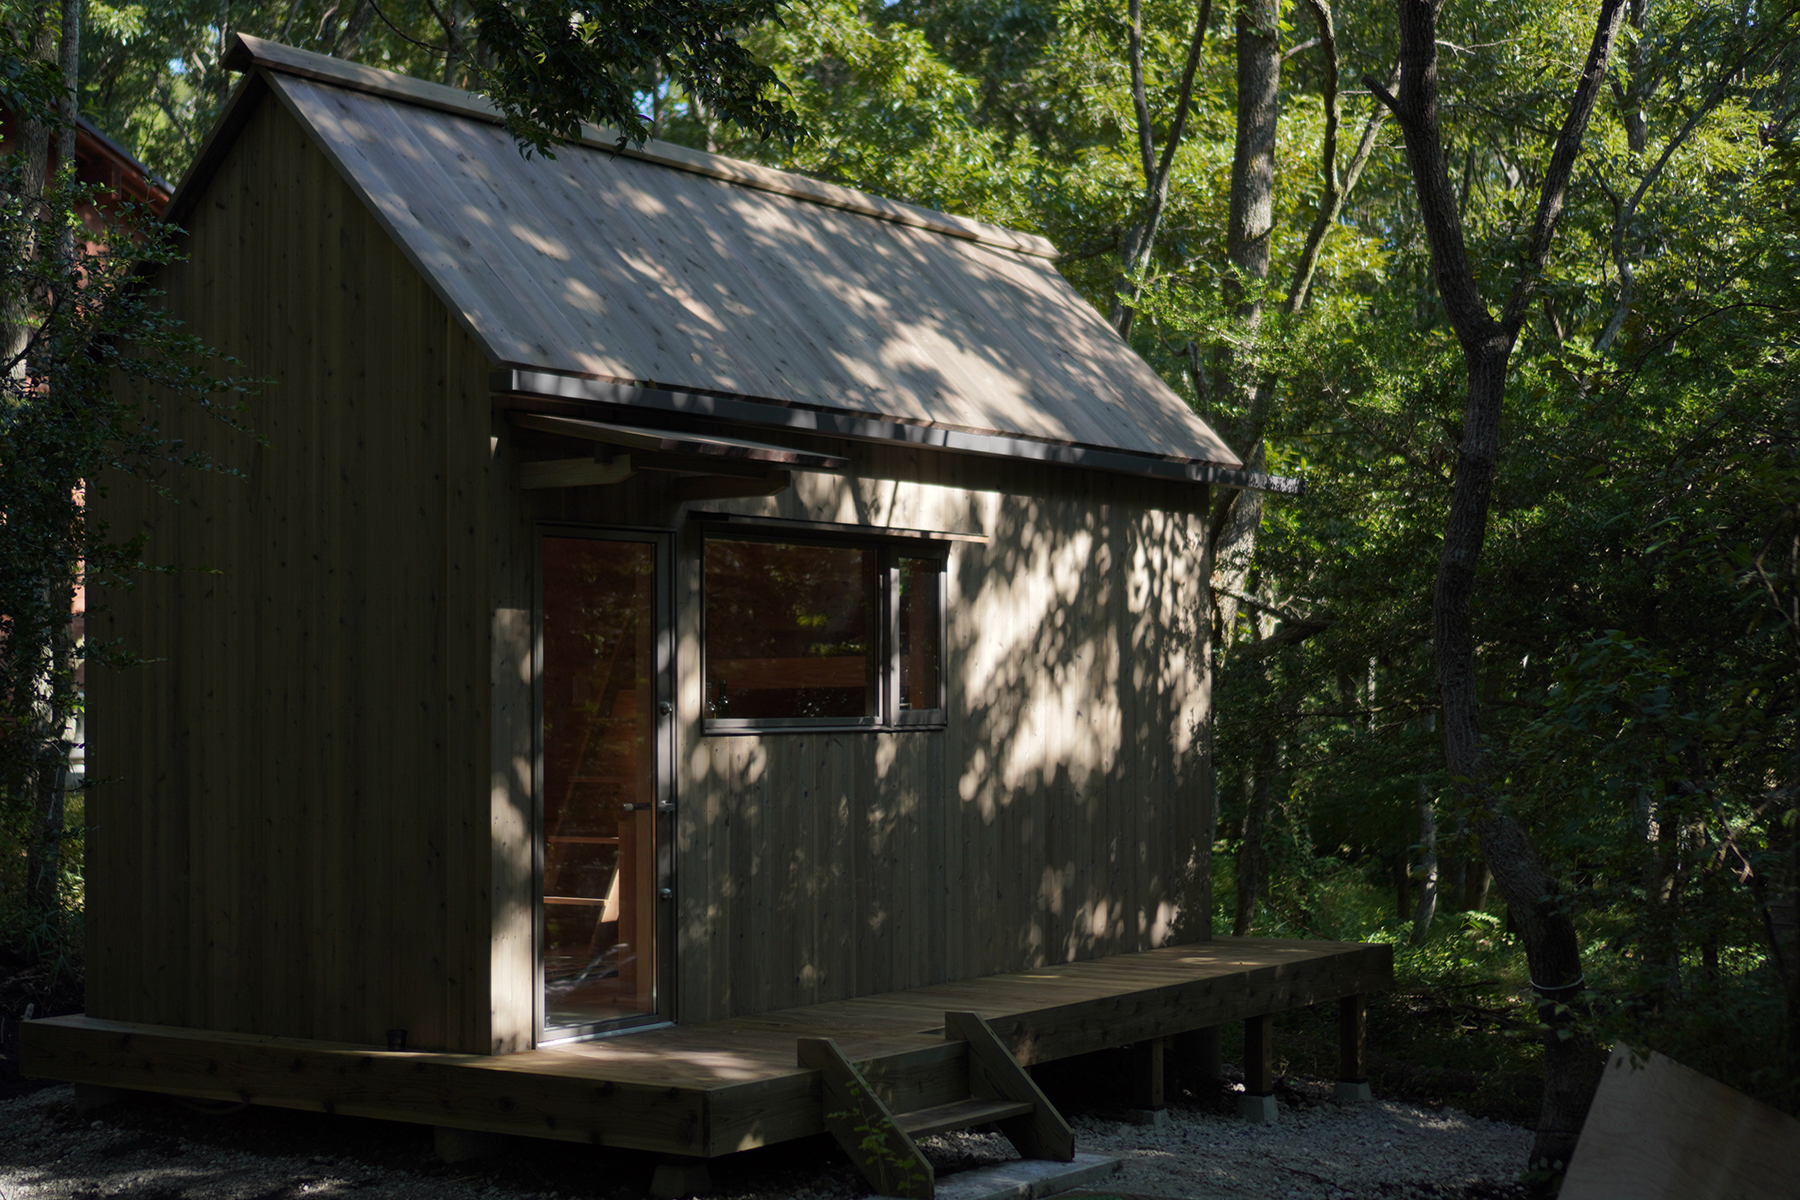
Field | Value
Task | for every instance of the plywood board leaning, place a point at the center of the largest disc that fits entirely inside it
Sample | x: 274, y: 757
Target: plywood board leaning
x: 1658, y: 1129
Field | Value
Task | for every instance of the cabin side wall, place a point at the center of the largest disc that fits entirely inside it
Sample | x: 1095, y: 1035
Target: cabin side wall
x: 290, y: 832
x: 1063, y: 814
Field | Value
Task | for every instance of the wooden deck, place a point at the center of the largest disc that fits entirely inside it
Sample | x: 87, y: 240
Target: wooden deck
x: 723, y: 1086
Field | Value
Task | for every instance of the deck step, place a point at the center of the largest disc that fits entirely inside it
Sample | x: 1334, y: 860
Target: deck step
x: 958, y: 1114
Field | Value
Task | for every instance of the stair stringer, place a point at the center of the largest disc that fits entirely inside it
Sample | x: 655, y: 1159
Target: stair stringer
x: 887, y: 1157
x: 994, y: 1074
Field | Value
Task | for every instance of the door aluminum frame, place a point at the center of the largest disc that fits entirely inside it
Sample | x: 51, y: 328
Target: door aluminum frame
x: 663, y: 1012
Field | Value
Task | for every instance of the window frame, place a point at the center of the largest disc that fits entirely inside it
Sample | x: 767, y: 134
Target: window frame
x: 886, y: 548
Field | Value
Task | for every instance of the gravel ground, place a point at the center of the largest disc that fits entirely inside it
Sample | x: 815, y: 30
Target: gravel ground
x: 156, y: 1149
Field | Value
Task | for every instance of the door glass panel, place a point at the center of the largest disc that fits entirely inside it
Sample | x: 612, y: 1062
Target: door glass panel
x: 599, y: 827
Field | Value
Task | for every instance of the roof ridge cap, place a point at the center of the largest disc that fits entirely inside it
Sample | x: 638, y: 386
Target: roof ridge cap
x: 247, y: 53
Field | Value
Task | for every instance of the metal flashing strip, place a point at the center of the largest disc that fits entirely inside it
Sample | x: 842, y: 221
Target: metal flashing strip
x: 623, y: 397
x: 709, y: 445
x: 595, y: 1035
x: 776, y: 525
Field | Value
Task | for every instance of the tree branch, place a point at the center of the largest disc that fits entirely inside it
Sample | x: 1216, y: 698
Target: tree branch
x: 1416, y: 109
x: 1156, y: 172
x: 1562, y: 166
x: 1336, y: 192
x: 1622, y: 310
x: 1136, y: 53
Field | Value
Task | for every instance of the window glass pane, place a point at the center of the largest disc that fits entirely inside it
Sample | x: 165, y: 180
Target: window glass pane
x: 789, y: 631
x: 920, y: 633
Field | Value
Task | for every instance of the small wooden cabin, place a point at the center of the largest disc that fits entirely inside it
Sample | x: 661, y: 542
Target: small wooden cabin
x: 666, y: 590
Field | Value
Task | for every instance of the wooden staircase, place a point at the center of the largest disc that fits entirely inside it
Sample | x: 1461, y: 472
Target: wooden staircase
x: 881, y: 1143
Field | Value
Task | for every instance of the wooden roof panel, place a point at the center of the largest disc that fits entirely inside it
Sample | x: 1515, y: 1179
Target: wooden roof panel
x: 630, y: 269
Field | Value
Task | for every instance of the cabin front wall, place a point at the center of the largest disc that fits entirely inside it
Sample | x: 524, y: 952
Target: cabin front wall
x: 288, y: 831
x: 1064, y: 812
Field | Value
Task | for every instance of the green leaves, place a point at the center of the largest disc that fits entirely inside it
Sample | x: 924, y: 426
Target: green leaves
x: 89, y: 359
x: 551, y: 66
x: 27, y: 85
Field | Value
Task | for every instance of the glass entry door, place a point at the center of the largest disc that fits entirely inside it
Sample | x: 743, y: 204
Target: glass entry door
x: 602, y: 848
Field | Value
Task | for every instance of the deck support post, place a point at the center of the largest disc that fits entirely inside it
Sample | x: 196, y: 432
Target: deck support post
x: 678, y: 1176
x: 1145, y: 1085
x: 465, y: 1145
x: 1258, y: 1101
x: 92, y: 1097
x: 1353, y: 1031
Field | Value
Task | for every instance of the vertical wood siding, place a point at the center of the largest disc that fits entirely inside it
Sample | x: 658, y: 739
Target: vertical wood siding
x: 291, y: 825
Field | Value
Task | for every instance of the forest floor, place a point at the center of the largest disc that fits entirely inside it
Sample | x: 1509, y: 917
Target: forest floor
x: 154, y: 1148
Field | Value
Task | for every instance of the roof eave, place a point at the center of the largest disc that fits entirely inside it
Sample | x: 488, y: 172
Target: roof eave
x: 629, y: 403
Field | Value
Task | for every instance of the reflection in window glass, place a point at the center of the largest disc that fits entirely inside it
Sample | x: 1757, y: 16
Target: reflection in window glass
x: 789, y: 632
x: 599, y: 828
x: 920, y: 634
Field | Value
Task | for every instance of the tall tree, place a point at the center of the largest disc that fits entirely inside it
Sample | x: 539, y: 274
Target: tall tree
x: 1534, y: 896
x: 87, y: 354
x: 549, y: 66
x: 43, y: 752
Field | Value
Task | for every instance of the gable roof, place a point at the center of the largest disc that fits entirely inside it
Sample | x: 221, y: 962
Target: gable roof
x: 661, y: 277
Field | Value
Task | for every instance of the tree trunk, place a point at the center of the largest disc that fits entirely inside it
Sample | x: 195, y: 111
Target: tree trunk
x: 1534, y: 898
x: 35, y: 135
x: 1656, y: 944
x: 1236, y: 519
x: 1250, y: 223
x: 1789, y: 605
x: 345, y: 44
x: 1793, y: 973
x: 1634, y: 99
x: 1333, y: 191
x: 68, y: 113
x: 1457, y: 882
x: 1253, y: 856
x: 1428, y: 868
x: 50, y: 775
x: 1250, y: 226
x: 1480, y: 878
